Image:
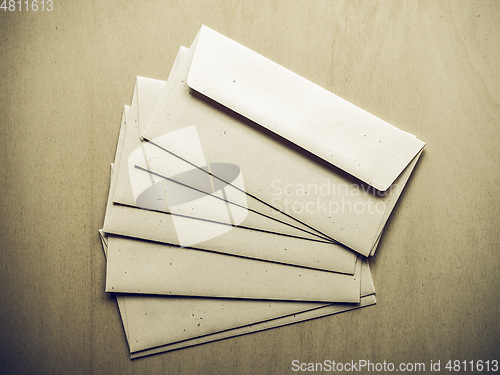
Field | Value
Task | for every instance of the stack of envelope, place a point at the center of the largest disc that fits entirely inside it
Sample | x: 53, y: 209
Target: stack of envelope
x: 244, y: 197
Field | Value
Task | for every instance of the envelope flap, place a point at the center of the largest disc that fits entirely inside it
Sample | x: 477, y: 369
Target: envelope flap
x: 300, y: 111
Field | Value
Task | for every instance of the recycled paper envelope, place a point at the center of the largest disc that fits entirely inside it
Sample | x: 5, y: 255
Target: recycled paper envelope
x: 316, y: 312
x: 144, y: 267
x: 149, y: 89
x: 302, y: 151
x: 155, y: 324
x: 208, y: 235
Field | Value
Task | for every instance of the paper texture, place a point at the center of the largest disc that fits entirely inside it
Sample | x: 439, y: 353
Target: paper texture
x: 136, y: 266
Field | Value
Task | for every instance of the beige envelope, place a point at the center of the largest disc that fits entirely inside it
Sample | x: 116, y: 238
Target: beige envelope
x: 258, y: 244
x: 302, y: 150
x: 300, y: 316
x: 144, y: 267
x: 155, y: 324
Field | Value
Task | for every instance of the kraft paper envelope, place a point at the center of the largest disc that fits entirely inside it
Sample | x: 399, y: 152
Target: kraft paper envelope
x: 144, y: 267
x: 325, y: 310
x: 302, y: 150
x: 161, y: 227
x: 155, y: 324
x: 144, y: 101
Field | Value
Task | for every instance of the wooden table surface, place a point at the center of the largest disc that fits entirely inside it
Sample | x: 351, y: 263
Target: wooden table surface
x: 429, y: 67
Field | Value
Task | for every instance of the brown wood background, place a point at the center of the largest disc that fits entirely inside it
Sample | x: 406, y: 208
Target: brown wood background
x: 429, y: 67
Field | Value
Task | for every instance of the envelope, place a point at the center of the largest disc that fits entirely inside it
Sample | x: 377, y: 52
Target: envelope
x: 145, y: 267
x: 155, y: 324
x: 304, y: 152
x: 258, y: 244
x: 299, y: 111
